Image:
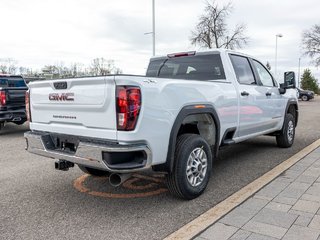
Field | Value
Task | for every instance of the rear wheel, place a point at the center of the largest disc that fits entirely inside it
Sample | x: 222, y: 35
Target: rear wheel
x: 192, y: 168
x: 93, y: 171
x: 286, y: 137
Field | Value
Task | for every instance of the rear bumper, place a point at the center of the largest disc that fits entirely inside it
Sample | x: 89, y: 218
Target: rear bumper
x: 108, y: 156
x: 13, y: 116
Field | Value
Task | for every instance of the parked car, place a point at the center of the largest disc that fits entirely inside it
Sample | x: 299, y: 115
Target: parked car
x: 12, y: 99
x: 173, y: 120
x: 305, y: 95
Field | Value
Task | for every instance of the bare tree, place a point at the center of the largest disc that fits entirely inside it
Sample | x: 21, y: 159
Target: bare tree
x: 77, y: 69
x: 12, y: 69
x: 212, y: 31
x: 101, y: 66
x: 51, y: 69
x: 8, y: 65
x: 98, y: 67
x: 268, y: 66
x: 3, y: 68
x: 311, y: 43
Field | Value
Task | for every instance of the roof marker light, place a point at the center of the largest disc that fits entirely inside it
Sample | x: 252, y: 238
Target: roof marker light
x: 182, y: 54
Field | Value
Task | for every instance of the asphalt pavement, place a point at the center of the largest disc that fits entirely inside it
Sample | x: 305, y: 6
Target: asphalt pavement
x: 38, y: 202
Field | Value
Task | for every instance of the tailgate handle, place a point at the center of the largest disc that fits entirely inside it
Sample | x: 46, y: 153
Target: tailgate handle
x: 60, y: 85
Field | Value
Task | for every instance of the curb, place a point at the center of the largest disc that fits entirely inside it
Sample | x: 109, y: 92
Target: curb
x: 208, y: 218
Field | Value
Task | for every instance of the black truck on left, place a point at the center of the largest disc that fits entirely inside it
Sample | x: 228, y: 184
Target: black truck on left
x: 12, y: 100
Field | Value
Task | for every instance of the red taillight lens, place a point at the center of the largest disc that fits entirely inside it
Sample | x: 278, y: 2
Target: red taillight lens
x: 3, y: 98
x: 128, y: 107
x: 27, y: 99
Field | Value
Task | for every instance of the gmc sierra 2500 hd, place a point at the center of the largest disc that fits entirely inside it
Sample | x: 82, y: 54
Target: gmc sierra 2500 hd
x: 173, y: 120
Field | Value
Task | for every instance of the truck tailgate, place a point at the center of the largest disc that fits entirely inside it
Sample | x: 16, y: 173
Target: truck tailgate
x: 79, y: 106
x: 16, y: 97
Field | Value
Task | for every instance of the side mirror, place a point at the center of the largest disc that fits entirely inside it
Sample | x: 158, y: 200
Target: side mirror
x: 289, y: 80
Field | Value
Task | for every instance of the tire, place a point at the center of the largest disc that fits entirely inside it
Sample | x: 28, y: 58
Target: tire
x: 304, y: 98
x: 286, y: 137
x: 1, y: 125
x: 93, y: 171
x: 192, y: 155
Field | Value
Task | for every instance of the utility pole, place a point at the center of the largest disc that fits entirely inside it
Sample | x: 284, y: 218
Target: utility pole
x: 299, y: 73
x: 276, y: 56
x: 153, y: 28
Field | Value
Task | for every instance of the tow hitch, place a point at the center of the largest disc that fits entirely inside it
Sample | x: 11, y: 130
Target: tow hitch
x: 63, y: 165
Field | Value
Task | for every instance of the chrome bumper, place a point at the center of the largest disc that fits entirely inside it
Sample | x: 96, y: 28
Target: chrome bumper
x: 87, y: 153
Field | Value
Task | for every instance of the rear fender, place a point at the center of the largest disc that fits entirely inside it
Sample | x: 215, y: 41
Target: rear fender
x: 183, y: 114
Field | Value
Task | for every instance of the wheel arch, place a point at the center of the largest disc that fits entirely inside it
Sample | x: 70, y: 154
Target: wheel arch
x: 199, y: 119
x: 292, y: 107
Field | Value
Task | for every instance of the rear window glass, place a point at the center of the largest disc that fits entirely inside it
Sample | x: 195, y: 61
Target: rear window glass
x: 12, y: 82
x: 201, y: 67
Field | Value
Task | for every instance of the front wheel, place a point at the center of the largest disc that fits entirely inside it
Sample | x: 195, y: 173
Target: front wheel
x: 304, y: 98
x: 286, y: 137
x: 192, y: 168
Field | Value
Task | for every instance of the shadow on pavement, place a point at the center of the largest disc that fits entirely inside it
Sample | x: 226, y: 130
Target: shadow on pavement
x: 13, y: 130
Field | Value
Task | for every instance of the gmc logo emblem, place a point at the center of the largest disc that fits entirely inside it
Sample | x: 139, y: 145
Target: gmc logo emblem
x: 61, y: 97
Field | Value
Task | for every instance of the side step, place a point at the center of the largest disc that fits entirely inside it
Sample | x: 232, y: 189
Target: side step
x: 228, y: 142
x: 227, y: 137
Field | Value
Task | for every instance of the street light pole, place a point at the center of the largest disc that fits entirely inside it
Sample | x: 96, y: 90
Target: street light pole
x: 276, y: 57
x: 153, y: 28
x: 299, y: 72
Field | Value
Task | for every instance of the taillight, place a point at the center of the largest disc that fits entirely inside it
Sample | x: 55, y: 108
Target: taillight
x: 128, y: 107
x: 3, y: 98
x: 27, y: 99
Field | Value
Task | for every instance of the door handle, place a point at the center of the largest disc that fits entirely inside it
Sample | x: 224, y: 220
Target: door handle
x: 244, y: 93
x: 268, y: 94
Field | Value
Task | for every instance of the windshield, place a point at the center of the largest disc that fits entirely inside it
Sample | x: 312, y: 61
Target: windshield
x: 199, y: 67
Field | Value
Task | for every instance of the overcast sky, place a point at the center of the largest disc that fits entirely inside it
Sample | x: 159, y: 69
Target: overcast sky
x: 40, y: 32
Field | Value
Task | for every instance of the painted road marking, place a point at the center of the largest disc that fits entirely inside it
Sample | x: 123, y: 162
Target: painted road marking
x: 208, y: 218
x: 147, y: 185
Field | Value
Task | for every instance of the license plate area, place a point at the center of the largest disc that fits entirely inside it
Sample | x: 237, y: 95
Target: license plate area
x: 67, y: 144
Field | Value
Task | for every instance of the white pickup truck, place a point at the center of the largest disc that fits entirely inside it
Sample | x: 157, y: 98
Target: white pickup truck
x: 173, y: 120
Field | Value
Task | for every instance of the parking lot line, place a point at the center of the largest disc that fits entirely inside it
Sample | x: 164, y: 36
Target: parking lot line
x: 208, y: 218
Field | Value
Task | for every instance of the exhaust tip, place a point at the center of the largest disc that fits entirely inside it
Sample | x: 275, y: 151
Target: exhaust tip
x: 17, y: 119
x: 116, y: 179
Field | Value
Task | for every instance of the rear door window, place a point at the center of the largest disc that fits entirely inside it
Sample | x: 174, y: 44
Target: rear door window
x: 198, y: 67
x: 242, y: 69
